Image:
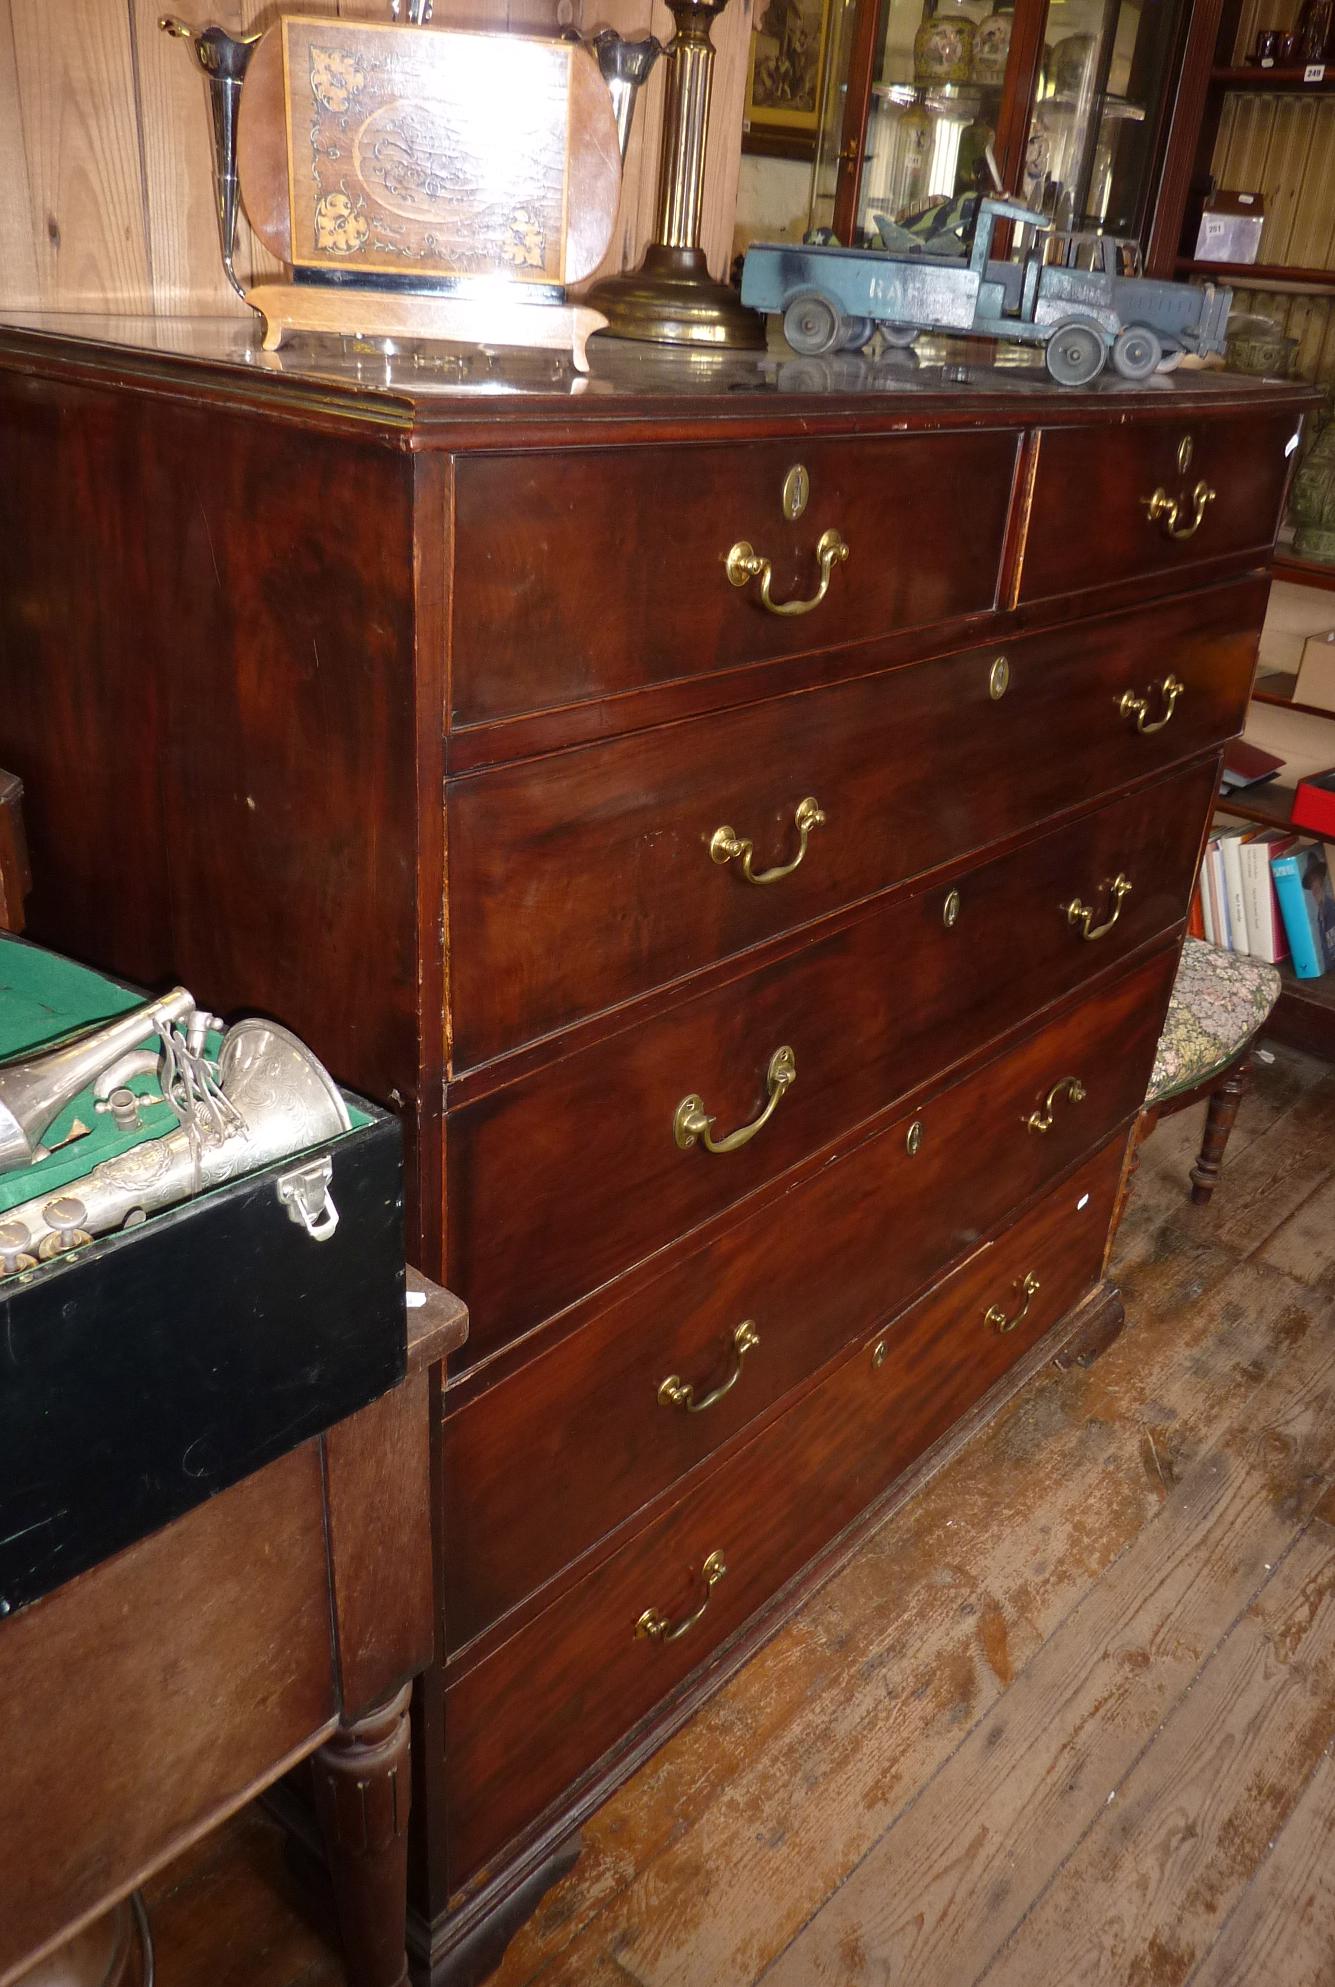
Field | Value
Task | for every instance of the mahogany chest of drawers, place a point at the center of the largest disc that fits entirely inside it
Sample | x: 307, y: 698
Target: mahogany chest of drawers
x: 767, y: 951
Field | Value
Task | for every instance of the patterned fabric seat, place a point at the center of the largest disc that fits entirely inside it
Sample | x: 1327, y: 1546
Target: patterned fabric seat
x: 1219, y: 1001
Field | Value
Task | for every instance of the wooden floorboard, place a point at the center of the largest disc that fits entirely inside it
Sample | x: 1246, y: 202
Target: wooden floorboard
x: 964, y: 1861
x: 1178, y: 1840
x: 1120, y: 1587
x: 1283, y: 1928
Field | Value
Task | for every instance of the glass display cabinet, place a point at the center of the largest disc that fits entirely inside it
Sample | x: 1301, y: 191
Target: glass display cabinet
x: 1071, y: 95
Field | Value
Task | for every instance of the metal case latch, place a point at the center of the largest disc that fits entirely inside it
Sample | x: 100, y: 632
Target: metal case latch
x: 304, y: 1192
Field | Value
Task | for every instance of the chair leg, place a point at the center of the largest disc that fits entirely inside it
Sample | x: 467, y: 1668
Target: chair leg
x: 1219, y: 1121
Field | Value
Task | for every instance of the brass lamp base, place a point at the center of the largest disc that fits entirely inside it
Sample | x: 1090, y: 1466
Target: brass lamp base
x: 672, y: 299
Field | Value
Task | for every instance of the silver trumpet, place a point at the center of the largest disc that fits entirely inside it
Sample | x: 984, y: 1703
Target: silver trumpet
x: 271, y: 1099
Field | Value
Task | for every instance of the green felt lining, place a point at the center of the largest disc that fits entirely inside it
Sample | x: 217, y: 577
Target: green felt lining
x: 42, y: 999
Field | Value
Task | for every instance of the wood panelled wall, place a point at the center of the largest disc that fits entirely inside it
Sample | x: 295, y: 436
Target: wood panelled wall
x: 105, y: 160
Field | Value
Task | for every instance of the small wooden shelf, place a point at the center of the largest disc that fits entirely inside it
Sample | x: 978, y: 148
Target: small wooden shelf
x: 1251, y: 77
x: 1305, y: 1016
x: 1276, y: 686
x: 1304, y: 572
x: 1271, y: 804
x: 1275, y: 275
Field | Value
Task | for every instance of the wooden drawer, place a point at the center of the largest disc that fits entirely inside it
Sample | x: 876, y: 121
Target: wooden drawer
x: 1110, y: 473
x: 529, y: 1719
x: 807, y: 1272
x: 589, y: 572
x: 606, y: 850
x: 871, y: 1011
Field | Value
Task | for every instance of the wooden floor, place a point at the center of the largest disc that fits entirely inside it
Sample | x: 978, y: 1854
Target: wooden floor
x: 1068, y: 1716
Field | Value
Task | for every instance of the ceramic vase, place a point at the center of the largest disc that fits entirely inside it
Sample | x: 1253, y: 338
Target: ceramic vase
x: 1312, y: 502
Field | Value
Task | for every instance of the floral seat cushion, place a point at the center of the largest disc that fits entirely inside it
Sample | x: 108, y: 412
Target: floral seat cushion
x: 1219, y: 1001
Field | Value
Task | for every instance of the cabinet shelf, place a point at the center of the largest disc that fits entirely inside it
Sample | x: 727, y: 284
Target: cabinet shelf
x: 1304, y: 572
x: 1252, y: 78
x: 1305, y: 1016
x: 1274, y: 275
x: 1271, y: 805
x: 1277, y: 686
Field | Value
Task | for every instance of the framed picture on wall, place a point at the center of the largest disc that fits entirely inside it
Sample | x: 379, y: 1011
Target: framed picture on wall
x: 789, y: 49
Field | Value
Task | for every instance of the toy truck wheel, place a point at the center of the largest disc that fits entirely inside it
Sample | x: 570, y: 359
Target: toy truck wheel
x: 812, y: 325
x: 899, y: 334
x: 856, y: 333
x: 1136, y: 351
x: 1075, y: 354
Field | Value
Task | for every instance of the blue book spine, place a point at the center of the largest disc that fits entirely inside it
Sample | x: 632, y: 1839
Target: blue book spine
x: 1287, y: 871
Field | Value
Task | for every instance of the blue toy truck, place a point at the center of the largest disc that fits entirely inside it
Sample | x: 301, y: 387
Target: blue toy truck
x: 1080, y: 305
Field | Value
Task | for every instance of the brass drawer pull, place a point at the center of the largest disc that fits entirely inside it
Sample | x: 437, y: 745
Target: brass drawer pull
x: 994, y: 1315
x: 676, y: 1392
x: 724, y: 844
x: 656, y: 1627
x: 1085, y: 914
x: 1168, y: 511
x: 1139, y: 707
x: 690, y: 1120
x: 744, y: 563
x: 1070, y: 1086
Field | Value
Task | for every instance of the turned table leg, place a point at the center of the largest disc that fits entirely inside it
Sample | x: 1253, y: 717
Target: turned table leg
x: 362, y: 1786
x: 1219, y: 1120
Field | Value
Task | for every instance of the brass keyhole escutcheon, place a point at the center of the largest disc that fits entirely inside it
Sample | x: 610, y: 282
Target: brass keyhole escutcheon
x: 1186, y: 448
x: 878, y: 1353
x: 999, y: 679
x: 796, y: 492
x: 913, y: 1138
x: 950, y: 910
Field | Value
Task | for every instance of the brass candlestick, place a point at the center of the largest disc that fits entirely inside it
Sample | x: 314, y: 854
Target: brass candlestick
x: 672, y: 299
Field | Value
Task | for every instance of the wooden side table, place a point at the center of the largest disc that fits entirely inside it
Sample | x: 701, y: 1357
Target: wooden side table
x: 160, y: 1691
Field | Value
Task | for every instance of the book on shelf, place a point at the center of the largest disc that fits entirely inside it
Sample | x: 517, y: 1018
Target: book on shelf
x: 1238, y: 906
x: 1215, y: 904
x: 1248, y: 765
x: 1230, y: 852
x: 1314, y: 804
x: 1266, y: 936
x: 1307, y: 901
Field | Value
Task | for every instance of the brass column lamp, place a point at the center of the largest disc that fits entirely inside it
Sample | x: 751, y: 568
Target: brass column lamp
x: 672, y: 299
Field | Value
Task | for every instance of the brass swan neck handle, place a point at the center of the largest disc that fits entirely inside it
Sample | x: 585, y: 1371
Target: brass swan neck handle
x: 744, y: 563
x: 725, y: 845
x: 691, y: 1121
x: 654, y: 1626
